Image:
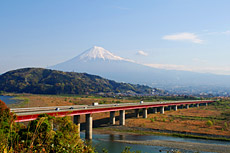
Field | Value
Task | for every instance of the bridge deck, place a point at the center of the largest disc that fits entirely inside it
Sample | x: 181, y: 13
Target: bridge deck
x: 27, y: 114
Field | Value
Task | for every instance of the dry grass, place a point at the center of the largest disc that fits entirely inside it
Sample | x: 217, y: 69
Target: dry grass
x: 192, y: 120
x: 53, y: 100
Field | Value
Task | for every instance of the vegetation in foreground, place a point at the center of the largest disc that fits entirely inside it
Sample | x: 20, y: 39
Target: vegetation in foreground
x: 39, y: 135
x: 46, y: 134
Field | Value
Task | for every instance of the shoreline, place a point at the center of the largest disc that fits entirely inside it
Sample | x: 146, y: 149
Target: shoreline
x: 145, y: 131
x: 177, y: 145
x: 190, y: 146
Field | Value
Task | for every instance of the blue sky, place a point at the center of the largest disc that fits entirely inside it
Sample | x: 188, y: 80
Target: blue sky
x: 189, y: 35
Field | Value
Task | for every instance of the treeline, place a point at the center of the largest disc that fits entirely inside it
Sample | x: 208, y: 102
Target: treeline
x: 45, y: 81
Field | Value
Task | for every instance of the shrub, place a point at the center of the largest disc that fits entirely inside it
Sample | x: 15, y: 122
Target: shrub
x: 209, y: 123
x: 39, y: 135
x: 225, y: 125
x: 152, y: 120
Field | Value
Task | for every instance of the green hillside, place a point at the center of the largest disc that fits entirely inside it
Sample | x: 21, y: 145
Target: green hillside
x: 45, y: 81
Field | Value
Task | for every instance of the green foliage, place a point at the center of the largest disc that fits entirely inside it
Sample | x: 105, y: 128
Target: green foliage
x: 226, y: 125
x: 44, y: 81
x: 7, y: 130
x: 152, y: 120
x: 39, y: 135
x: 127, y: 150
x: 105, y: 150
x: 209, y: 123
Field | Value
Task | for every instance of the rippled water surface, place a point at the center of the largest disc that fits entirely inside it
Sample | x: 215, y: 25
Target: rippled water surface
x: 106, y: 141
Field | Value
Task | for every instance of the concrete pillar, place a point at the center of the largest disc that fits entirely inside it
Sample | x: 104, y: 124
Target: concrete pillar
x: 162, y: 109
x: 112, y: 118
x: 205, y: 104
x: 175, y: 108
x: 137, y: 113
x: 187, y: 106
x: 145, y: 112
x: 89, y: 127
x: 197, y: 105
x: 169, y: 107
x: 76, y: 120
x: 122, y: 117
x: 154, y: 110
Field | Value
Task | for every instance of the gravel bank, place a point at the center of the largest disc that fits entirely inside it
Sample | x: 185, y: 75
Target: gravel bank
x: 183, y: 145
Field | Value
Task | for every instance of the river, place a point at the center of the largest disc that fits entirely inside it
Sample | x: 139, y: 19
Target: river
x: 107, y: 141
x: 8, y: 99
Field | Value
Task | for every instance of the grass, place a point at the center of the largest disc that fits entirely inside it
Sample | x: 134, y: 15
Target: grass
x: 198, y: 117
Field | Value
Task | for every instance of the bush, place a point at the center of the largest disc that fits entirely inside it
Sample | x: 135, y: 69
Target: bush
x: 152, y: 120
x: 209, y: 123
x: 39, y: 135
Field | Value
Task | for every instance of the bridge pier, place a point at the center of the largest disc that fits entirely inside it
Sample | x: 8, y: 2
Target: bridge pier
x: 205, y: 104
x: 187, y: 106
x: 76, y: 120
x: 112, y: 118
x: 175, y: 108
x: 169, y: 108
x: 122, y: 117
x: 89, y: 127
x: 162, y: 109
x: 155, y: 110
x: 137, y: 113
x: 197, y: 105
x: 145, y: 112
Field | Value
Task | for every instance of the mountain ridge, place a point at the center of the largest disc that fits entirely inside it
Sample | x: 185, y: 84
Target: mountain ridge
x: 46, y: 81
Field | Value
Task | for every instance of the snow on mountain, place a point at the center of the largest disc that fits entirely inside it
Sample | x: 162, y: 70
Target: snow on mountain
x: 98, y: 53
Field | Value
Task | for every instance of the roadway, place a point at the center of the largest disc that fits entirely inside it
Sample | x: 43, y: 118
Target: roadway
x: 27, y: 114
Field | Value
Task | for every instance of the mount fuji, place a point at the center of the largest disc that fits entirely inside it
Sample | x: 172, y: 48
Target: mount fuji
x: 100, y: 61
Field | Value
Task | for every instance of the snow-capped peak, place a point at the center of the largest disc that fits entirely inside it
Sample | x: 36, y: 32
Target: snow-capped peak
x: 99, y: 53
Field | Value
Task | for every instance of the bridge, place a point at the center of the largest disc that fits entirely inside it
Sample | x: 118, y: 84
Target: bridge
x: 28, y: 114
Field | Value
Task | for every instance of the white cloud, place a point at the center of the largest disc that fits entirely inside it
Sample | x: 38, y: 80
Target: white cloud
x: 206, y: 69
x: 186, y: 36
x: 170, y: 67
x: 226, y: 32
x: 141, y: 52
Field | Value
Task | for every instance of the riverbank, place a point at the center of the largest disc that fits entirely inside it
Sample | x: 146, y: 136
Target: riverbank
x: 199, y: 147
x: 146, y: 131
x: 176, y: 145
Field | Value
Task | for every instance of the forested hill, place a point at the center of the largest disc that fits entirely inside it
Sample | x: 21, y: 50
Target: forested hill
x: 45, y: 81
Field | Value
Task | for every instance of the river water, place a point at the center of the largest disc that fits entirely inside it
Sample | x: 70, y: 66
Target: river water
x: 106, y: 141
x: 8, y: 99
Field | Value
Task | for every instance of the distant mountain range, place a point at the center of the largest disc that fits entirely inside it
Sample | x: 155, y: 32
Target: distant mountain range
x: 101, y: 62
x: 45, y: 81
